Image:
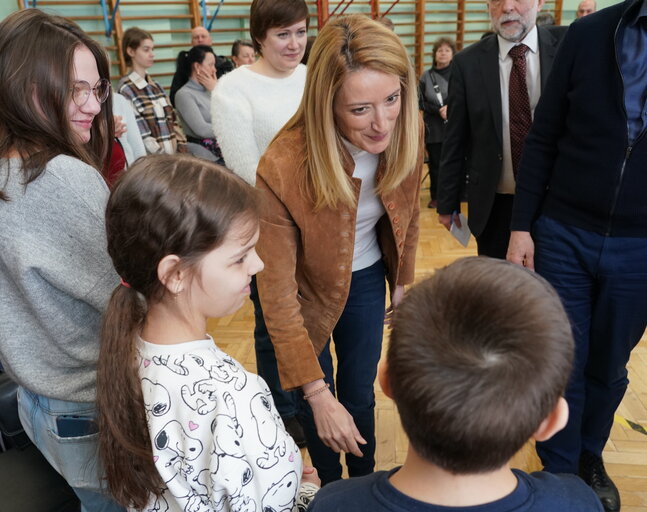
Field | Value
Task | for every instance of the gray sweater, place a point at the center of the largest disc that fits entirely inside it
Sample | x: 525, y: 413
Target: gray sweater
x: 55, y: 277
x: 193, y: 105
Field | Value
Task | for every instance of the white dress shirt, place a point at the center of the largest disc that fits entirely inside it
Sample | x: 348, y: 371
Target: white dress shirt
x: 533, y: 81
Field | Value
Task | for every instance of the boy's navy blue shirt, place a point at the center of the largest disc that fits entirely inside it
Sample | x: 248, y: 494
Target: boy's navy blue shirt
x: 535, y: 492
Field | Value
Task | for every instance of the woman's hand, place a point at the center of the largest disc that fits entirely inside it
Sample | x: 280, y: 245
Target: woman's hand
x: 335, y: 425
x: 207, y: 80
x: 396, y: 297
x: 120, y: 126
x: 442, y: 111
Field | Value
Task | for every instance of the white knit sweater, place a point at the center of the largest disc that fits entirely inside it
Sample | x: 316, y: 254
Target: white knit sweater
x: 248, y: 110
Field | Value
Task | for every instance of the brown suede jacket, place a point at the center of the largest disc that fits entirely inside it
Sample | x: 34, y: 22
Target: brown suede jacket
x: 308, y: 255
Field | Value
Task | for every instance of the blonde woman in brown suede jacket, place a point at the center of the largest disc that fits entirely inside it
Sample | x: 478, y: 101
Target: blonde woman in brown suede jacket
x: 341, y: 184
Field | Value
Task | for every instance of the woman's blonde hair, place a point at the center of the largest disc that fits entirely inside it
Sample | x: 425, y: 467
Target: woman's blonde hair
x: 347, y: 44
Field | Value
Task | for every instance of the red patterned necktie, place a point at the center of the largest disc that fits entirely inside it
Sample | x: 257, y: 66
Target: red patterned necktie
x: 519, y: 104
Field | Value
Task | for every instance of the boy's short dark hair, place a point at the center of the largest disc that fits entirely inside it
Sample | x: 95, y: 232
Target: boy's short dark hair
x: 266, y: 14
x: 479, y: 355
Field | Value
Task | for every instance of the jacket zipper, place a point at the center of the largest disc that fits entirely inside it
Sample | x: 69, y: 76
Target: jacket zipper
x: 629, y: 145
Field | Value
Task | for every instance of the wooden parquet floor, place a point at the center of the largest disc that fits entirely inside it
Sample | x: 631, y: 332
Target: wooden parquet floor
x: 626, y: 452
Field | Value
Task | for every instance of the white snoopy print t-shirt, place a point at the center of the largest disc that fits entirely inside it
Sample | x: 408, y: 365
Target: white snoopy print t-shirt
x: 218, y: 442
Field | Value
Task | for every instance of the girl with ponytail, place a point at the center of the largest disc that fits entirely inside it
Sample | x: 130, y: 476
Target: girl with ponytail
x: 183, y: 426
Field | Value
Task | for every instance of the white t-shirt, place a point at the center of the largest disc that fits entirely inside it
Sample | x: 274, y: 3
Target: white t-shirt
x: 533, y: 82
x: 369, y: 208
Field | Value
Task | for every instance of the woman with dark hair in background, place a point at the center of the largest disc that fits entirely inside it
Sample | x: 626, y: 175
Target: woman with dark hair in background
x: 341, y: 183
x: 56, y: 130
x: 433, y: 102
x: 196, y: 74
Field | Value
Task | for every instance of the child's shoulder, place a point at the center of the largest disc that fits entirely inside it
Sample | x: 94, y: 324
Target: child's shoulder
x: 564, y: 492
x: 371, y: 492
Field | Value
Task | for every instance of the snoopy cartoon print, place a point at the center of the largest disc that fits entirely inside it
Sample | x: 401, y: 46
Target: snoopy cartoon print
x: 157, y: 399
x: 224, y: 487
x: 177, y: 449
x: 228, y: 370
x: 227, y: 431
x: 267, y: 430
x: 281, y: 496
x: 201, y: 397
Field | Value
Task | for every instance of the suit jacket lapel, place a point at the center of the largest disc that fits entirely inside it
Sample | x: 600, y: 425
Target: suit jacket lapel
x: 547, y: 50
x: 490, y: 72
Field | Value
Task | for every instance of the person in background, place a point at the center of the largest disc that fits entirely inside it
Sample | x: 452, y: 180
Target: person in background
x: 200, y: 36
x: 433, y: 102
x: 197, y: 74
x: 545, y: 19
x: 248, y: 107
x: 243, y: 53
x: 341, y: 184
x: 156, y: 120
x: 478, y: 359
x: 495, y: 86
x: 55, y: 272
x: 585, y: 7
x: 129, y: 136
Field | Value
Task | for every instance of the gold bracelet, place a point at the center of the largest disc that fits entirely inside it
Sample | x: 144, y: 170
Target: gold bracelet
x: 316, y: 392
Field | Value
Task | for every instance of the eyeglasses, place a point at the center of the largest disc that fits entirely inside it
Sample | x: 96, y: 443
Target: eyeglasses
x: 81, y: 91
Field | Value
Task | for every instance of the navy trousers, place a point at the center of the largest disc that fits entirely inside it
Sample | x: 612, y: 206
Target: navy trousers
x: 602, y: 282
x: 358, y: 342
x: 266, y: 366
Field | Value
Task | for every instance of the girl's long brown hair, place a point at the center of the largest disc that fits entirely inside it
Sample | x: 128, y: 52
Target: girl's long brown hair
x: 162, y: 205
x: 36, y: 73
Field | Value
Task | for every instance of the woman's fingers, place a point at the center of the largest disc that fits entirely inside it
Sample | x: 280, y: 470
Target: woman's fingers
x: 335, y: 425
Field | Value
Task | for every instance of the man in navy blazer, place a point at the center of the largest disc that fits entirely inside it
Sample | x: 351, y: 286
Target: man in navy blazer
x: 477, y: 139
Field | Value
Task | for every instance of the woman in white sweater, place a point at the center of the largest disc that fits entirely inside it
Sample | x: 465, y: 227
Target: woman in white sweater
x: 252, y: 103
x: 248, y: 108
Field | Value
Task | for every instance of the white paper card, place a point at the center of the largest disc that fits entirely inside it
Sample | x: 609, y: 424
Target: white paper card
x: 463, y: 233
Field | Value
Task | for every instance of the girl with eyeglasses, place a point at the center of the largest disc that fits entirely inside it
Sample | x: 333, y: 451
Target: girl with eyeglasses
x: 56, y: 127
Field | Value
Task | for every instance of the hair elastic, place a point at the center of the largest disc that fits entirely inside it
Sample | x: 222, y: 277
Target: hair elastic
x: 124, y: 283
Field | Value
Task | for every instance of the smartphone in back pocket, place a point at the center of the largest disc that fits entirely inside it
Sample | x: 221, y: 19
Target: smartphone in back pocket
x: 69, y: 425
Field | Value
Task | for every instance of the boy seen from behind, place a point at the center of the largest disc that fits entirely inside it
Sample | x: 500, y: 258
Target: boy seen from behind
x: 479, y: 357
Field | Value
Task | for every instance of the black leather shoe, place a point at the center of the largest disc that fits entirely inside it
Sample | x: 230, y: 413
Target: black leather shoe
x: 593, y: 473
x: 295, y: 429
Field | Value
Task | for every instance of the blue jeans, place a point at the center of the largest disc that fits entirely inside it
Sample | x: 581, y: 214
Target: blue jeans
x: 285, y: 401
x: 602, y: 282
x: 358, y: 343
x: 75, y: 458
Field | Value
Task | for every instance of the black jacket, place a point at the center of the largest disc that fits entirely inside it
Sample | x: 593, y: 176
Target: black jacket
x: 429, y: 104
x: 577, y: 166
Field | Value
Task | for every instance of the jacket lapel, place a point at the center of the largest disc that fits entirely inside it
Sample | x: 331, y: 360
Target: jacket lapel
x: 547, y: 50
x: 490, y: 74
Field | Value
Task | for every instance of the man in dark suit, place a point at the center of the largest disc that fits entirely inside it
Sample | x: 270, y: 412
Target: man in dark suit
x: 478, y: 137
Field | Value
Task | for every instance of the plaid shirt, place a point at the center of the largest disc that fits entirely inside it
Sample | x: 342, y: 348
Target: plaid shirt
x: 155, y: 116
